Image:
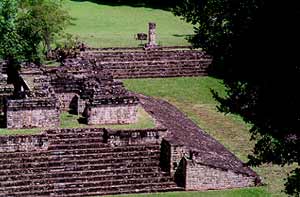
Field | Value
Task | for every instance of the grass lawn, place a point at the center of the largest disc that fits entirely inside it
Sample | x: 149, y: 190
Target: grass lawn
x: 192, y: 96
x: 247, y: 192
x: 105, y: 26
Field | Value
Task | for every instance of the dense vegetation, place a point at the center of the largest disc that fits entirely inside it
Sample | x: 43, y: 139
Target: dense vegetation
x: 27, y: 29
x: 252, y: 45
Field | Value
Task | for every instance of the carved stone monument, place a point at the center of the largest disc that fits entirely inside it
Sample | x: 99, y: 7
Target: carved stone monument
x: 152, y: 36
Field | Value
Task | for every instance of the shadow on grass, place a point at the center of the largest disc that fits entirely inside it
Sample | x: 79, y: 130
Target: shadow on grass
x: 182, y: 35
x: 155, y: 4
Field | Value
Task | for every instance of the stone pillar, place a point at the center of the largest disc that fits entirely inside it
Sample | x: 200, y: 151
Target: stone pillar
x: 152, y: 35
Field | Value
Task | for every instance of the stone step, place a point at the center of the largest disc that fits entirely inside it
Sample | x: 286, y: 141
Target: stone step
x: 75, y: 135
x: 88, y: 167
x: 94, y: 165
x: 87, y: 139
x: 76, y: 131
x: 69, y: 174
x: 148, y: 68
x: 187, y: 58
x: 77, y: 179
x: 62, y: 165
x: 155, y: 75
x: 62, y: 156
x: 102, y: 186
x: 154, y: 64
x: 94, y: 146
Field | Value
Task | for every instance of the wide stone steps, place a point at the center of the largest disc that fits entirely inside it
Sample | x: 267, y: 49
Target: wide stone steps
x: 92, y: 190
x: 67, y: 155
x: 75, y: 162
x: 70, y: 169
x: 164, y: 53
x: 154, y: 63
x: 148, y: 58
x: 98, y: 146
x: 81, y: 164
x: 159, y: 74
x: 148, y: 64
x: 104, y: 173
x: 149, y: 167
x: 40, y: 180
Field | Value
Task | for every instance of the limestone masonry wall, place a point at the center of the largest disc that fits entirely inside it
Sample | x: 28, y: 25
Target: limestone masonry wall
x: 67, y: 101
x: 31, y: 113
x: 137, y: 136
x: 23, y: 143
x: 113, y: 114
x: 202, y: 177
x: 171, y: 155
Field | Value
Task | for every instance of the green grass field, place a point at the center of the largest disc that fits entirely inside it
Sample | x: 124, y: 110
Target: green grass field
x: 106, y: 26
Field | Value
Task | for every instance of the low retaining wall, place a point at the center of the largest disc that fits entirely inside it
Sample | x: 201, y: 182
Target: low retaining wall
x: 137, y: 136
x: 110, y: 136
x: 31, y: 113
x: 23, y: 143
x: 112, y: 115
x: 202, y: 177
x: 113, y: 110
x: 191, y: 174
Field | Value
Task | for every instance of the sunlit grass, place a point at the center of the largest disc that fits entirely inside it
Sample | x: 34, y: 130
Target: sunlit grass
x: 106, y: 26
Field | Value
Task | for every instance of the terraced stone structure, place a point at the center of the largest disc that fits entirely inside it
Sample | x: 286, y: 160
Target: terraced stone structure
x: 87, y: 89
x: 139, y: 63
x: 82, y: 162
x: 175, y: 155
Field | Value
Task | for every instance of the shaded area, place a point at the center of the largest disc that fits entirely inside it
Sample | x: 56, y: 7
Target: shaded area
x: 155, y: 4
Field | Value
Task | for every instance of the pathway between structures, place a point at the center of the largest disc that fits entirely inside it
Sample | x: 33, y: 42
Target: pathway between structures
x: 183, y: 131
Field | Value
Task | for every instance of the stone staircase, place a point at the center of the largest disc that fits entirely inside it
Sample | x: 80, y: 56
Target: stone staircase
x: 81, y: 164
x: 148, y: 64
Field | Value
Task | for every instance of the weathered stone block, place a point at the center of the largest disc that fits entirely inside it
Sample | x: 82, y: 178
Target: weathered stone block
x: 32, y: 113
x: 111, y: 114
x: 202, y: 177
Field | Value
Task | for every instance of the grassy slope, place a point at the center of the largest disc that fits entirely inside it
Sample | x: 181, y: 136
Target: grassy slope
x: 106, y: 26
x: 193, y: 96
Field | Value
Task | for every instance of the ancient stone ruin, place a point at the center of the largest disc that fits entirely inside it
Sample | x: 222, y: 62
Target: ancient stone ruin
x: 176, y: 155
x: 83, y: 89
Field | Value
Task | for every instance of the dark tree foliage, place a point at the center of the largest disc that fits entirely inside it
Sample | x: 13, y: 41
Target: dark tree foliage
x: 255, y: 48
x: 25, y: 26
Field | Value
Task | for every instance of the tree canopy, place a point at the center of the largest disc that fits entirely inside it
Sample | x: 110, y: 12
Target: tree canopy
x: 30, y: 26
x: 27, y: 30
x: 253, y: 45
